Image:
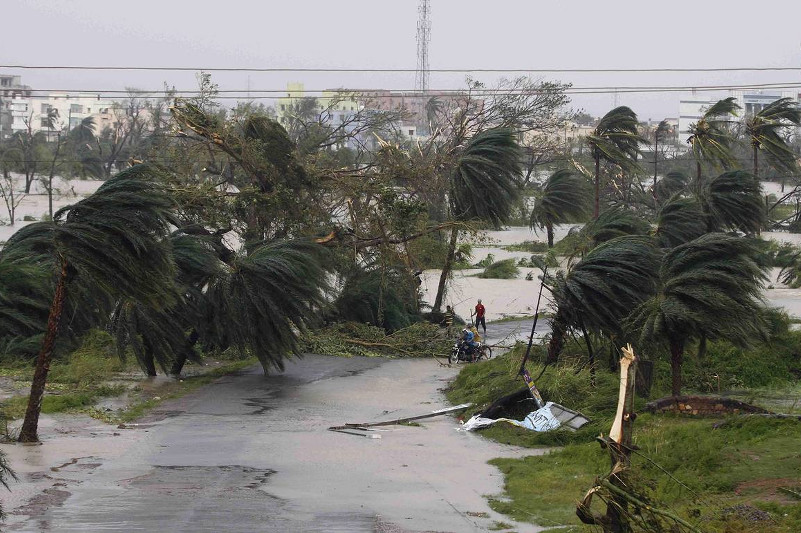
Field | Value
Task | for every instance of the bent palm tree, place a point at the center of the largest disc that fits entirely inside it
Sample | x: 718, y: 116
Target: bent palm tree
x: 680, y: 220
x: 616, y: 140
x: 673, y: 182
x: 483, y: 185
x: 764, y: 132
x: 733, y: 201
x: 710, y: 287
x: 710, y: 138
x: 110, y: 240
x: 264, y: 299
x: 603, y: 288
x: 563, y: 200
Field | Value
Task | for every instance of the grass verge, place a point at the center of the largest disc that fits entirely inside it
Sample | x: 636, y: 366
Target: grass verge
x: 723, y: 475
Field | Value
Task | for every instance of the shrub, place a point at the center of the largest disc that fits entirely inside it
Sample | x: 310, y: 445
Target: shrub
x: 505, y: 269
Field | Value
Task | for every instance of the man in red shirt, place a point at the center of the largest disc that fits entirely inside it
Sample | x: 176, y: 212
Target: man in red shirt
x: 480, y: 317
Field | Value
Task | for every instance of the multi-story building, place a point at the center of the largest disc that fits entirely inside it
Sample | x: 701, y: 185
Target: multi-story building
x: 11, y: 90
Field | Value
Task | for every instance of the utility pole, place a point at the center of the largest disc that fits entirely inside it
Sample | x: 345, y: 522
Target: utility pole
x: 421, y: 76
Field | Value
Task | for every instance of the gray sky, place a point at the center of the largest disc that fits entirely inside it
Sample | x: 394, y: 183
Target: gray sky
x: 379, y: 34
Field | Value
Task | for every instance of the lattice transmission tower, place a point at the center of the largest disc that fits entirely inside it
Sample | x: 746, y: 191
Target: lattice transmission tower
x: 423, y: 36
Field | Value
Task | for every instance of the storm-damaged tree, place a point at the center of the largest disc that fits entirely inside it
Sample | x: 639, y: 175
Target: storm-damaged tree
x: 565, y: 198
x: 111, y: 241
x: 616, y: 140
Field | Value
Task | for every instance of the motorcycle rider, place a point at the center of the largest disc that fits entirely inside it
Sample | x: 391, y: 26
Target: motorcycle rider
x: 470, y: 345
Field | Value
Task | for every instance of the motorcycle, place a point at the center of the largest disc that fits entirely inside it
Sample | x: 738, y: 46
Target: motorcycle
x: 463, y: 352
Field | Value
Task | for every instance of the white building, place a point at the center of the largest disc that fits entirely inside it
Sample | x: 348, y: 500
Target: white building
x: 750, y: 102
x: 69, y: 109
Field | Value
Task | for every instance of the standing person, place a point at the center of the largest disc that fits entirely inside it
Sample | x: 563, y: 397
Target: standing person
x: 480, y: 317
x: 448, y: 319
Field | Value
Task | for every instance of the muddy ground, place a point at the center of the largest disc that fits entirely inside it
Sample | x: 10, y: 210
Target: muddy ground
x: 252, y: 453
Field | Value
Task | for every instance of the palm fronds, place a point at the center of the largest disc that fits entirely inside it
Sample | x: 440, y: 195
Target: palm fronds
x: 485, y: 180
x: 733, y: 201
x: 680, y: 220
x: 565, y: 198
x: 710, y: 138
x: 266, y: 298
x: 673, y: 182
x: 616, y: 139
x: 764, y: 130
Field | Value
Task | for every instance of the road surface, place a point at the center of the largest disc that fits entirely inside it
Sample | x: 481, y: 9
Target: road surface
x: 252, y: 453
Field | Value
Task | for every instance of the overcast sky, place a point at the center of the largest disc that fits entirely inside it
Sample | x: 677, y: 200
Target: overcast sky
x: 497, y: 34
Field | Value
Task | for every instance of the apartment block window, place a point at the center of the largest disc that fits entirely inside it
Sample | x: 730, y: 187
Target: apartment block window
x: 76, y: 108
x: 45, y: 108
x: 411, y: 133
x: 45, y: 123
x: 283, y: 107
x: 5, y: 82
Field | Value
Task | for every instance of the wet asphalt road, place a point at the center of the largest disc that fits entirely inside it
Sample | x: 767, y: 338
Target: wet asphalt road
x: 252, y: 453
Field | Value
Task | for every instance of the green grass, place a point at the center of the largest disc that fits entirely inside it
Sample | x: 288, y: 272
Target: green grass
x: 728, y: 462
x: 63, y: 402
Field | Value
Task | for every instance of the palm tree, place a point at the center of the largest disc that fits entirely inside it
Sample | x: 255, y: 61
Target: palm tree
x: 264, y: 299
x: 680, y: 220
x: 616, y: 140
x: 710, y: 138
x: 483, y: 185
x: 564, y: 199
x: 111, y: 241
x: 603, y: 288
x: 709, y: 287
x: 660, y: 134
x: 674, y: 181
x: 764, y: 131
x: 733, y: 201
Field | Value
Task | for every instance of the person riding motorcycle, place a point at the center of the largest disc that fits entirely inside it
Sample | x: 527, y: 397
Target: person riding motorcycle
x: 468, y: 342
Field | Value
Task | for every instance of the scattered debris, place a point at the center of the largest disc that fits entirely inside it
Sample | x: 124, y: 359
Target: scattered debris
x: 353, y: 428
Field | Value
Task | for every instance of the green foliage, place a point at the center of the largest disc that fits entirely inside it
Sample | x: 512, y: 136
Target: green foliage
x: 505, y: 269
x: 710, y: 286
x: 94, y: 361
x: 616, y: 139
x: 266, y: 298
x: 484, y: 182
x: 679, y: 220
x: 673, y: 182
x: 733, y: 201
x: 710, y: 138
x: 383, y: 297
x: 348, y: 339
x: 565, y: 198
x: 765, y: 129
x: 527, y: 246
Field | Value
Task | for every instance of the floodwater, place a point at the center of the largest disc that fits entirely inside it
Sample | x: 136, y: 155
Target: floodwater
x: 252, y: 453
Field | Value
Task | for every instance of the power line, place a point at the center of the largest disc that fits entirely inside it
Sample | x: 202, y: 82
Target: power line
x: 404, y: 70
x: 344, y: 90
x: 277, y: 94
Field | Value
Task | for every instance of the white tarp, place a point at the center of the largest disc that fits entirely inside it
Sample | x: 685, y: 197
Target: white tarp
x: 540, y: 420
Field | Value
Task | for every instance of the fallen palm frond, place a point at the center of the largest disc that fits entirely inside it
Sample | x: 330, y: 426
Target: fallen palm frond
x: 349, y: 339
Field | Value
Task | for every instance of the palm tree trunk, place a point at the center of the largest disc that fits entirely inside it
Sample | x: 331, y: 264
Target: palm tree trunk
x: 590, y: 353
x: 756, y: 161
x: 29, y: 430
x: 549, y: 231
x: 676, y: 353
x: 446, y: 269
x: 597, y: 208
x: 653, y: 187
x: 698, y: 176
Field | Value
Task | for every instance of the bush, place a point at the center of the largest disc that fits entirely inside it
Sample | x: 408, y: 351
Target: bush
x: 505, y: 269
x: 95, y: 360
